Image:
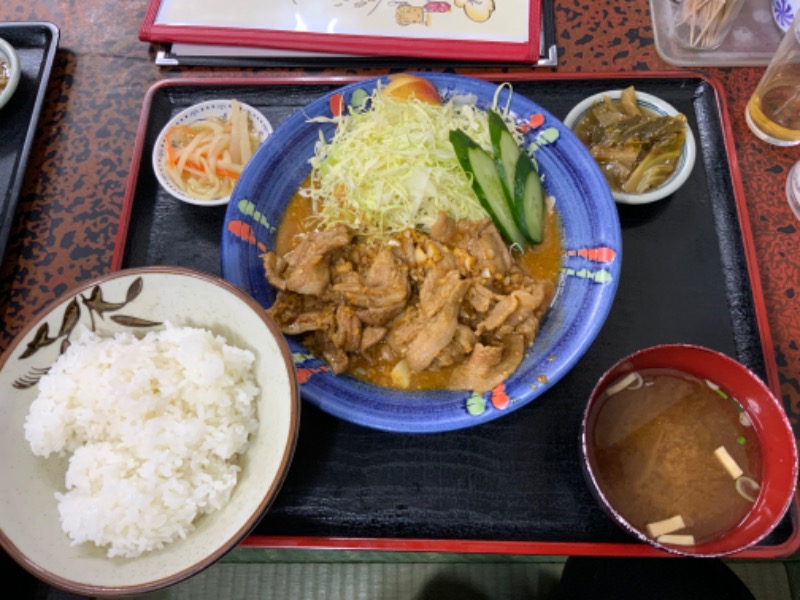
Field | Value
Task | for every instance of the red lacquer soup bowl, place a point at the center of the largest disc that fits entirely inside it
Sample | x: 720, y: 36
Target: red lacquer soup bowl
x: 757, y: 409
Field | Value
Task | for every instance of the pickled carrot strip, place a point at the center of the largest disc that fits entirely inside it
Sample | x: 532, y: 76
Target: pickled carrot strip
x: 200, y: 158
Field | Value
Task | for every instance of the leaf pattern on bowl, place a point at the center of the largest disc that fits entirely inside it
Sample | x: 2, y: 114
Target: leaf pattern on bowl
x: 96, y: 306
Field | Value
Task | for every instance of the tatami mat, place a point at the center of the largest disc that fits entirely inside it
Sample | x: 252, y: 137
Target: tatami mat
x: 401, y: 577
x: 413, y: 581
x: 367, y: 581
x: 767, y: 580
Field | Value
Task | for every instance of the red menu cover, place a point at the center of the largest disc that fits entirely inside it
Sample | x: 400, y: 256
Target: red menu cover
x: 478, y: 30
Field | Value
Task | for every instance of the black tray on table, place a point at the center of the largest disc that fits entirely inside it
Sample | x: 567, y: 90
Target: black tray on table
x: 35, y: 44
x: 513, y: 485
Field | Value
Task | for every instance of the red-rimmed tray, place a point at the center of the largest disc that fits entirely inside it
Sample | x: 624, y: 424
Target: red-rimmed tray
x: 36, y: 45
x: 513, y: 486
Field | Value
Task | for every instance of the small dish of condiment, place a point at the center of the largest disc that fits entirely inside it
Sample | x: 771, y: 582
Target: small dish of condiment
x: 9, y: 72
x: 643, y: 145
x: 689, y: 451
x: 202, y: 150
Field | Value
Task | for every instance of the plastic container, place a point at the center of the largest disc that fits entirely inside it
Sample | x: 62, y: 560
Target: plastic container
x: 704, y: 24
x: 752, y: 40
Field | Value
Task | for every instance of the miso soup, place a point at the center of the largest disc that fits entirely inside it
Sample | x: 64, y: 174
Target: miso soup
x: 655, y: 448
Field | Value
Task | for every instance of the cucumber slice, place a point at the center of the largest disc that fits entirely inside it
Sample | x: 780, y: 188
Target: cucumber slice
x: 529, y: 200
x: 506, y: 151
x: 487, y: 185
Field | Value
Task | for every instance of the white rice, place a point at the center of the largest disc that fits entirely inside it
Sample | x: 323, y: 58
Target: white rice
x: 154, y: 427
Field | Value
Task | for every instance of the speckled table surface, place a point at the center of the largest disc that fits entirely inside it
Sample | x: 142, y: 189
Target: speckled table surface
x: 66, y: 223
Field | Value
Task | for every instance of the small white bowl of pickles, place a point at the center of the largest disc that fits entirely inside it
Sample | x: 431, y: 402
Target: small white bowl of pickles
x: 9, y: 71
x: 643, y: 145
x: 201, y: 151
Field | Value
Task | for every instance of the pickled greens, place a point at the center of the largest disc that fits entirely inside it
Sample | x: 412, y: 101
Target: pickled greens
x: 637, y: 150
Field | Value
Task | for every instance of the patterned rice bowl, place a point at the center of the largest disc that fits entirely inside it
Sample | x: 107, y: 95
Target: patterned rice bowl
x: 137, y: 301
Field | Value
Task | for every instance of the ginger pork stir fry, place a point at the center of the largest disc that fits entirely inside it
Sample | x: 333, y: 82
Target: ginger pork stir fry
x: 455, y: 303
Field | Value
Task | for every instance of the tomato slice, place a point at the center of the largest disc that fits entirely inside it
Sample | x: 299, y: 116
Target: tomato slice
x: 405, y: 87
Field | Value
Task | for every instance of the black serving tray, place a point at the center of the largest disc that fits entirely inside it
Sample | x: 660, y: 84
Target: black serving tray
x: 685, y: 278
x: 35, y: 44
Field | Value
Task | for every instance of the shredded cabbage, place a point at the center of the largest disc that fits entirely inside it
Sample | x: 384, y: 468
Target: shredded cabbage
x: 392, y: 167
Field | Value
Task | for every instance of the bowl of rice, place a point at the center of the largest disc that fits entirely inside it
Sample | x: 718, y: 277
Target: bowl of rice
x: 147, y: 421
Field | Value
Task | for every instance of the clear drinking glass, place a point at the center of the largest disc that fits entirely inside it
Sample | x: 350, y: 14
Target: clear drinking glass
x: 773, y: 112
x: 703, y: 24
x: 793, y: 189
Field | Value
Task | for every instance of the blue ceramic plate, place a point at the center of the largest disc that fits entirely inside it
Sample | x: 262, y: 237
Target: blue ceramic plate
x: 588, y: 282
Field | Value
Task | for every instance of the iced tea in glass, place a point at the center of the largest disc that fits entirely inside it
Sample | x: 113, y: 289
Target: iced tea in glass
x: 773, y: 112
